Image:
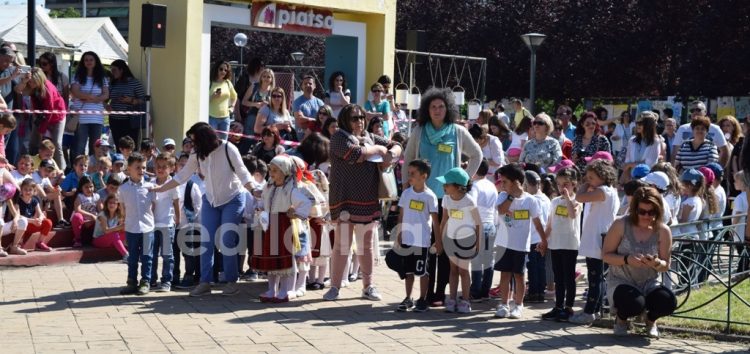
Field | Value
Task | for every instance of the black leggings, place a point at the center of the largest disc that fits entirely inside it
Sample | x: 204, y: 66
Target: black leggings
x: 564, y: 269
x: 438, y: 268
x: 630, y: 302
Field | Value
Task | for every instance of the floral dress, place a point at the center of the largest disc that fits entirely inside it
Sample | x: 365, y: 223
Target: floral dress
x: 598, y: 143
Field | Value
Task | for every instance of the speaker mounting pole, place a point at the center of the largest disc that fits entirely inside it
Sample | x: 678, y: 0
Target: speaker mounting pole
x: 148, y: 92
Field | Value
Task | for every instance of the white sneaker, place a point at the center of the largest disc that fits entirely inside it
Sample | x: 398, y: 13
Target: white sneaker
x: 516, y: 312
x: 621, y: 328
x: 450, y: 305
x: 582, y: 318
x: 371, y: 293
x: 344, y: 283
x: 300, y: 292
x: 331, y: 295
x: 463, y: 307
x: 652, y: 331
x: 502, y: 311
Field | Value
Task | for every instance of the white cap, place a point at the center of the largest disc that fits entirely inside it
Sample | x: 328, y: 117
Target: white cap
x: 168, y: 141
x: 658, y: 179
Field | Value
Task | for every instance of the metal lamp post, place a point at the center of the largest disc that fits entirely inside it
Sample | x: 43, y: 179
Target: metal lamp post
x: 240, y: 40
x: 533, y: 41
x: 297, y: 57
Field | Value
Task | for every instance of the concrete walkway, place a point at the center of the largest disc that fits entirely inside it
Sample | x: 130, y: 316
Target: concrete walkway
x: 77, y: 308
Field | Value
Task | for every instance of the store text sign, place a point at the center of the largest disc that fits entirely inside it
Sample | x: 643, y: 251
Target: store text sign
x: 291, y: 18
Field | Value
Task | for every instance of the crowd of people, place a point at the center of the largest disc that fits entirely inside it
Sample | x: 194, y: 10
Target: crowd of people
x: 525, y: 195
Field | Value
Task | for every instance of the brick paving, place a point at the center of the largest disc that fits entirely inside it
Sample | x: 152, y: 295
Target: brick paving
x: 77, y: 309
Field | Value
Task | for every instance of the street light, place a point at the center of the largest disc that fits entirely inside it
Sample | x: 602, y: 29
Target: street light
x: 533, y: 41
x: 240, y: 40
x: 297, y: 57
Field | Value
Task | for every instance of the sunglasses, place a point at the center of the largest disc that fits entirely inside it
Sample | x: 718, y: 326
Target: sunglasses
x: 377, y: 91
x: 644, y: 212
x: 539, y: 122
x: 358, y: 117
x: 695, y: 110
x: 277, y: 96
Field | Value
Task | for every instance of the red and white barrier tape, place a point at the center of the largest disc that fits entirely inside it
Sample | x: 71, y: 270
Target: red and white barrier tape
x: 45, y: 111
x: 282, y: 142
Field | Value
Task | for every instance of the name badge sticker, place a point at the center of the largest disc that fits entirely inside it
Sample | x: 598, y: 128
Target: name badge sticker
x: 521, y: 214
x: 561, y: 210
x: 445, y: 148
x: 416, y: 205
x: 457, y: 214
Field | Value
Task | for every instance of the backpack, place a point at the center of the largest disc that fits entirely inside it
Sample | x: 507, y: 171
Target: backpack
x: 187, y: 203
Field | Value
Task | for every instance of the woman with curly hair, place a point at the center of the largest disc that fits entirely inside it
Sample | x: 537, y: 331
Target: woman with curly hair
x: 90, y: 89
x: 438, y: 139
x: 599, y: 195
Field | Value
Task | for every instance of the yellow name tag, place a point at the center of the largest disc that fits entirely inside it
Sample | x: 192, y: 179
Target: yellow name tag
x: 521, y: 214
x: 444, y: 148
x: 416, y: 205
x: 457, y: 214
x: 561, y: 210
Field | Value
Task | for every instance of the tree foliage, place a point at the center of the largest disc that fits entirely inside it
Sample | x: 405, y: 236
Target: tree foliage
x: 69, y: 12
x: 272, y: 48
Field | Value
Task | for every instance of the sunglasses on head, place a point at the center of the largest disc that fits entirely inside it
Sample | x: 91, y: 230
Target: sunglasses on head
x: 644, y: 212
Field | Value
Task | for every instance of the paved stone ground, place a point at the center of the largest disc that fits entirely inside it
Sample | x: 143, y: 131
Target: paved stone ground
x: 77, y: 308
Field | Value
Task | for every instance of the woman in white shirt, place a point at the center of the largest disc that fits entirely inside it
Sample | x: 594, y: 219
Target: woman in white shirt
x: 223, y: 202
x: 492, y: 148
x: 338, y: 95
x: 622, y: 133
x: 645, y: 146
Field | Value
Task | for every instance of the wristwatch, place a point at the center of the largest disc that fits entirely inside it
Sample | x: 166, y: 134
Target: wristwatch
x: 510, y: 198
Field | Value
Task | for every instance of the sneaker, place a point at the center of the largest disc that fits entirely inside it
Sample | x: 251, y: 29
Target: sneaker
x: 475, y: 300
x: 582, y: 318
x: 421, y: 306
x: 317, y: 286
x: 495, y: 292
x: 125, y: 258
x: 41, y: 246
x: 371, y: 293
x: 516, y: 312
x: 405, y: 305
x: 300, y: 292
x: 502, y: 311
x: 652, y: 331
x: 552, y: 314
x: 621, y: 328
x: 165, y: 287
x: 332, y: 294
x: 129, y: 289
x: 201, y: 289
x: 564, y: 315
x: 184, y: 284
x: 463, y: 307
x: 352, y: 277
x: 3, y: 253
x: 345, y: 283
x: 450, y: 305
x: 230, y: 289
x: 17, y: 251
x: 143, y: 288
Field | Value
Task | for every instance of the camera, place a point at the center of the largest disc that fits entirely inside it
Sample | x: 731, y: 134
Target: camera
x: 24, y: 69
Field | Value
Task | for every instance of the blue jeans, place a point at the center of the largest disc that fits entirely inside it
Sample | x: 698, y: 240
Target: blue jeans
x: 212, y: 218
x: 11, y: 146
x: 163, y: 240
x: 87, y: 132
x: 595, y: 270
x: 139, y: 246
x: 219, y: 124
x: 537, y: 272
x: 481, y: 265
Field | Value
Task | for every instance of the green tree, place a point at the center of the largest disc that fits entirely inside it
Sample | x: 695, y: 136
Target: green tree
x: 69, y: 12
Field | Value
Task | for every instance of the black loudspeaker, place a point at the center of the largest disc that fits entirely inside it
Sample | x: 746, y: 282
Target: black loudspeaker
x: 153, y: 25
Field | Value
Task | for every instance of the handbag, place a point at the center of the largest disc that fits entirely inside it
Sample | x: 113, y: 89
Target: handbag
x: 387, y: 188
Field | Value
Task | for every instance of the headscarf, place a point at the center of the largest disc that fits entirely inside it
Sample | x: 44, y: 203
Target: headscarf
x: 284, y: 163
x: 302, y: 173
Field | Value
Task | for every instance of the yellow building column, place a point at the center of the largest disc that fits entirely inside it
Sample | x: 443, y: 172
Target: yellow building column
x: 175, y: 69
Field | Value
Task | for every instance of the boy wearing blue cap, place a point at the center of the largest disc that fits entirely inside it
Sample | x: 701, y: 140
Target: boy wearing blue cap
x: 460, y: 228
x: 720, y: 193
x: 418, y: 217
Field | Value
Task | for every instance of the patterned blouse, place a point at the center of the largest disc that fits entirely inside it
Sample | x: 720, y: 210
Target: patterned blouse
x: 544, y: 154
x: 598, y: 143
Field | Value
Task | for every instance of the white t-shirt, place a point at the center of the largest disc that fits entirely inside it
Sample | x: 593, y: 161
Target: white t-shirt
x: 164, y: 211
x: 565, y: 232
x: 460, y: 222
x: 597, y: 218
x: 673, y: 203
x: 416, y: 225
x: 44, y: 182
x: 721, y: 201
x: 624, y: 133
x: 516, y: 142
x: 685, y: 133
x: 691, y: 231
x: 518, y: 221
x: 493, y: 151
x: 544, y: 208
x: 740, y: 207
x: 484, y: 192
x: 18, y: 176
x: 642, y: 153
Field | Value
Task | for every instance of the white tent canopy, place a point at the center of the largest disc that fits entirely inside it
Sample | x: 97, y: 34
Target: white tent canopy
x: 96, y: 34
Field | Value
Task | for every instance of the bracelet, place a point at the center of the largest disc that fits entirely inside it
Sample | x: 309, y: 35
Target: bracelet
x: 626, y: 259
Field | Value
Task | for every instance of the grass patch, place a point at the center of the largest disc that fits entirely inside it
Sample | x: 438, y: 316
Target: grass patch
x: 716, y: 310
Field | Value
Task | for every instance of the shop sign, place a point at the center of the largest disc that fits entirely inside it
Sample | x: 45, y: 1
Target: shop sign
x: 291, y: 18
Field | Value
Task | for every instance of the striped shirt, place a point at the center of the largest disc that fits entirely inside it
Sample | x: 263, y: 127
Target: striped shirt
x: 131, y: 88
x: 687, y: 157
x: 89, y: 88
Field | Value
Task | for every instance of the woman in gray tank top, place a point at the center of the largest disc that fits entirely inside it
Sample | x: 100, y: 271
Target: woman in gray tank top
x: 637, y: 248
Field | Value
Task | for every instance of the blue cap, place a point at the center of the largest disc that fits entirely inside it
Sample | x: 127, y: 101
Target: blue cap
x: 692, y: 176
x: 640, y: 171
x: 118, y: 158
x: 455, y: 175
x: 716, y: 169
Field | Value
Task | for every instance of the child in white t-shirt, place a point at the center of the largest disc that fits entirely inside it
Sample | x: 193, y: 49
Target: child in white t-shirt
x: 740, y: 207
x: 484, y: 192
x: 460, y: 227
x: 693, y: 184
x: 418, y: 216
x: 520, y: 212
x: 564, y: 237
x: 536, y: 260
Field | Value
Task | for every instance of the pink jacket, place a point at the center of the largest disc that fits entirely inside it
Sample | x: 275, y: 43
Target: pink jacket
x: 53, y: 101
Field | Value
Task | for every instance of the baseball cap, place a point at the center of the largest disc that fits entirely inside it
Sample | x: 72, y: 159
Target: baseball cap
x: 455, y: 175
x: 168, y: 141
x: 599, y: 155
x: 46, y: 164
x: 102, y: 142
x: 708, y: 174
x: 118, y: 158
x: 692, y: 176
x: 186, y: 141
x: 565, y: 163
x: 640, y: 171
x: 716, y: 169
x: 658, y: 179
x: 5, y: 51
